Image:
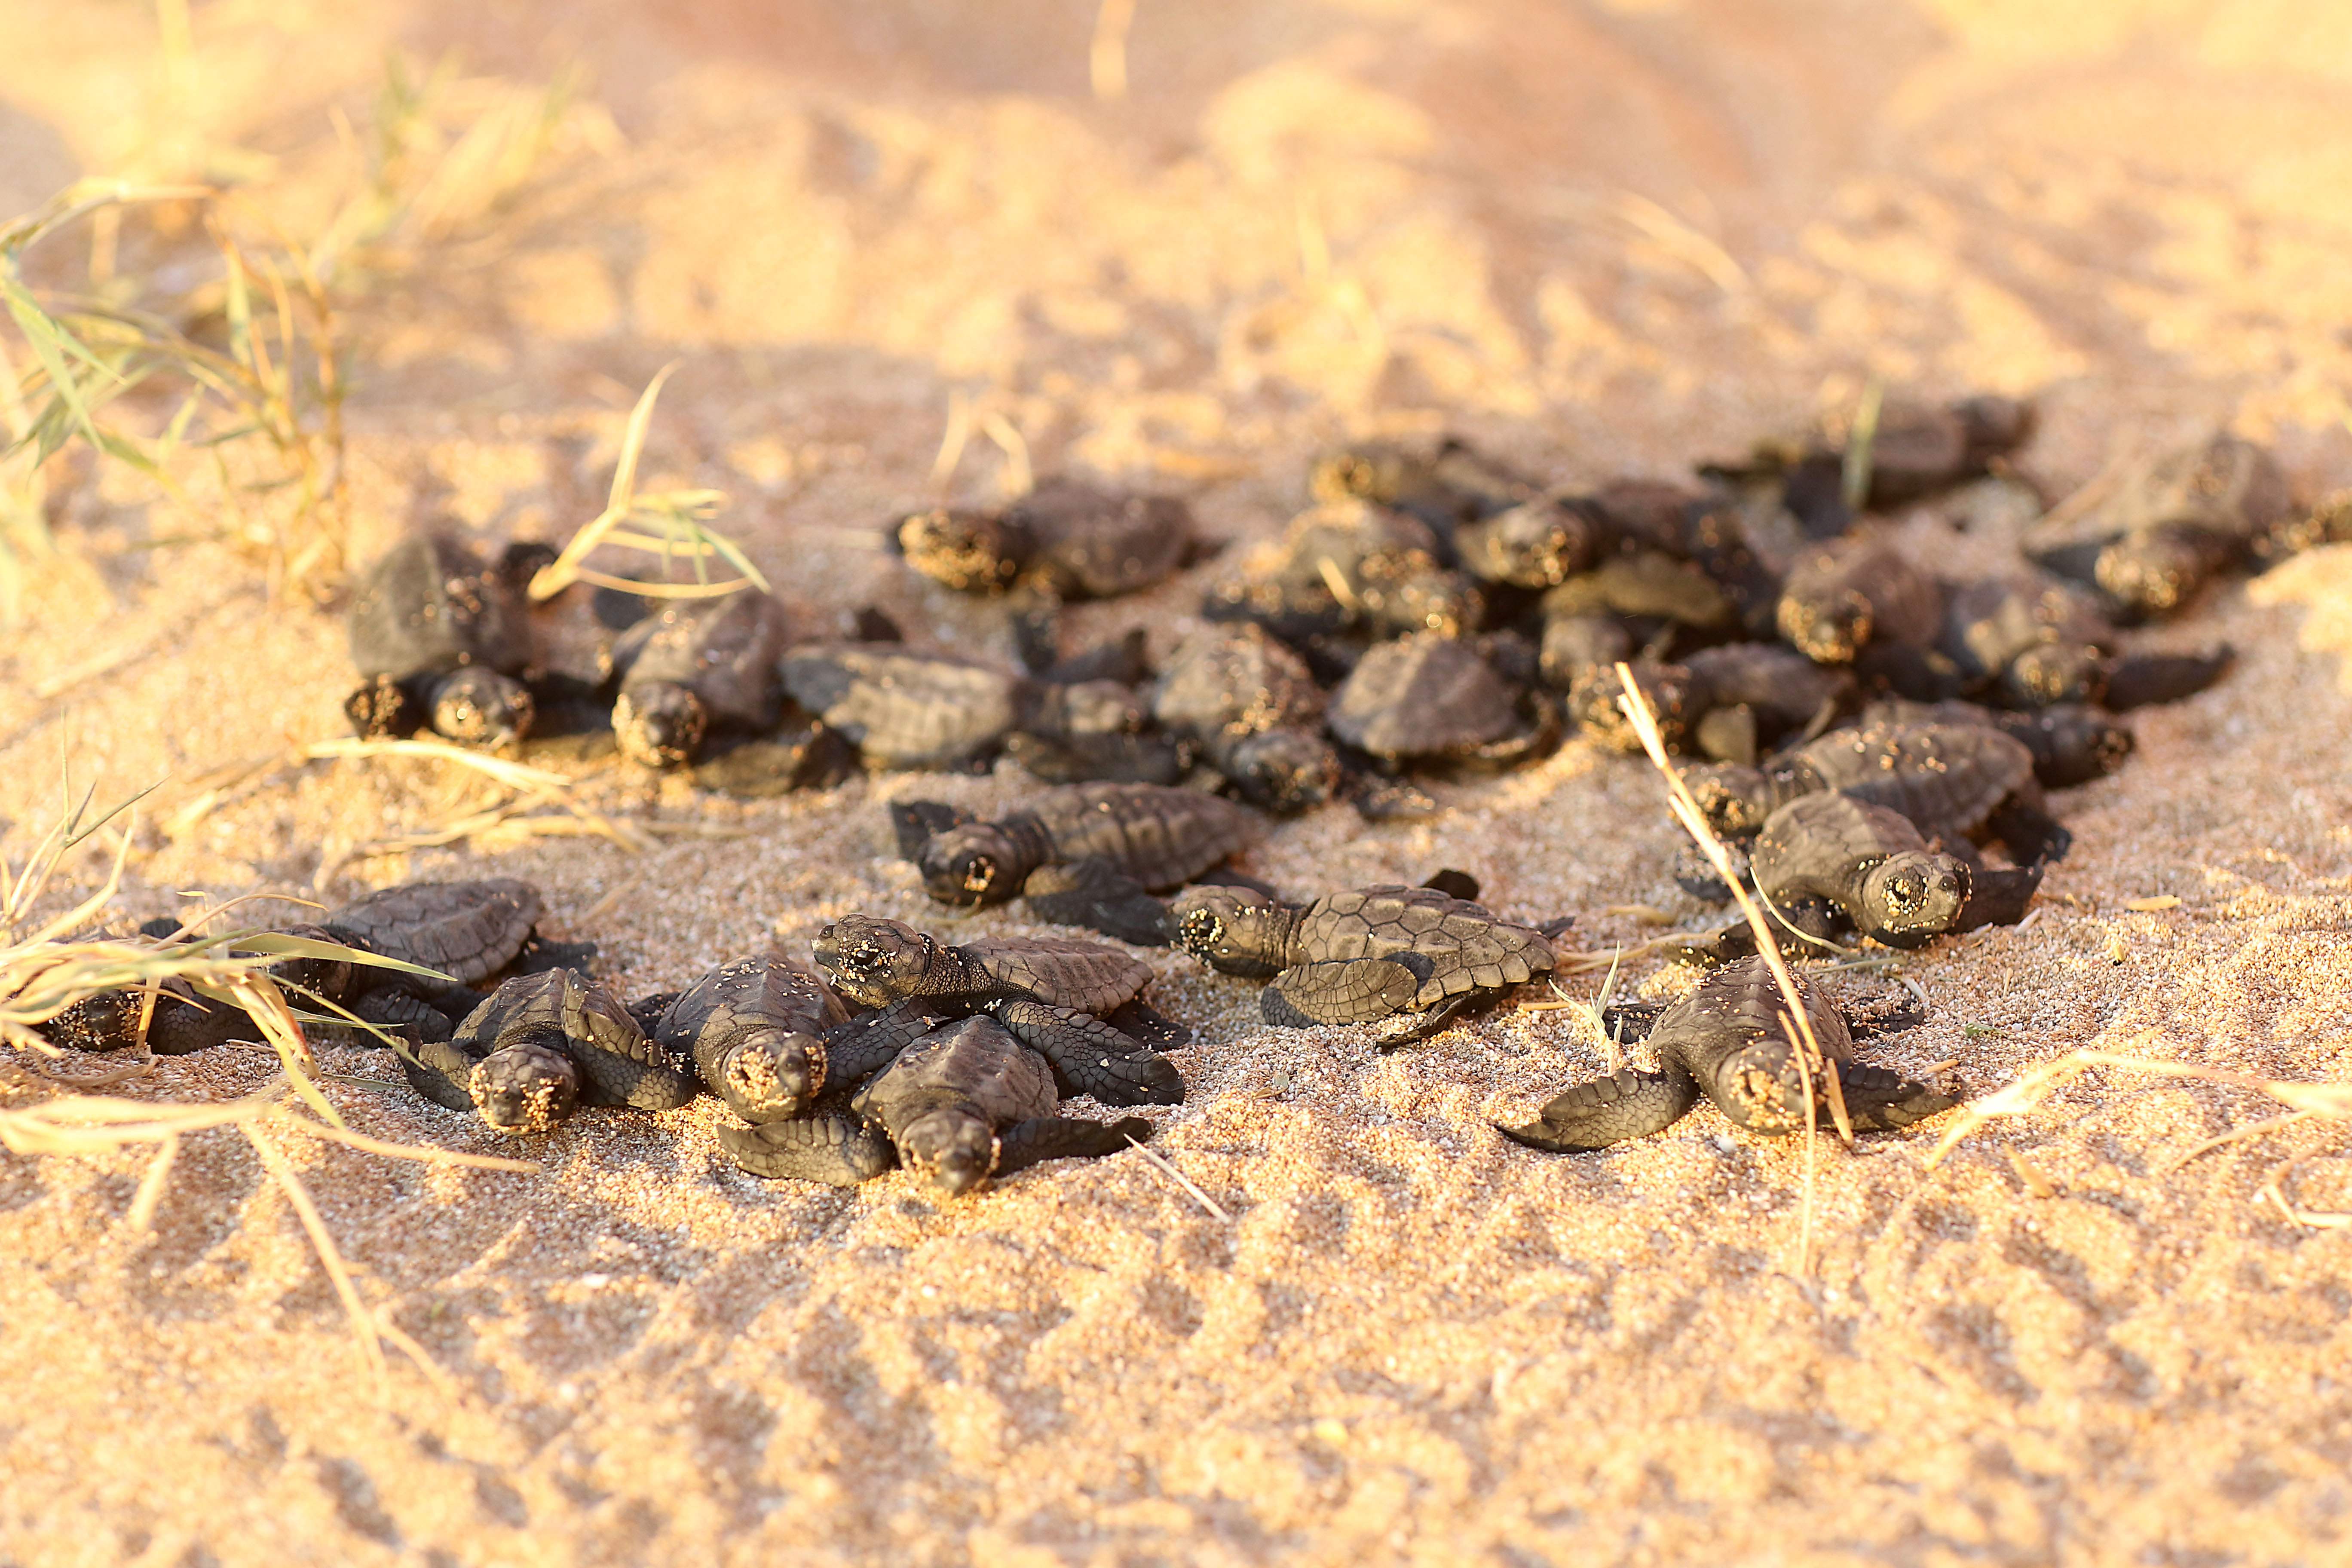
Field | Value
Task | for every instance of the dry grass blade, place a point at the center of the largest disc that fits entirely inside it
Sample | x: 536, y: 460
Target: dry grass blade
x: 514, y: 775
x: 1812, y: 1063
x: 2275, y: 1190
x: 1859, y: 443
x: 1167, y: 1168
x: 1106, y: 56
x: 2331, y: 1102
x: 680, y: 514
x: 330, y: 1258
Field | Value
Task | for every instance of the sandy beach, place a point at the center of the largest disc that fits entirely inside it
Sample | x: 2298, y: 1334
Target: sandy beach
x: 1598, y: 237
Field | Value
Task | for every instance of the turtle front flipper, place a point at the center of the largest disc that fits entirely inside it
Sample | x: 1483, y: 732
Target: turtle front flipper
x: 618, y: 1065
x: 863, y: 1047
x: 2141, y: 680
x: 1998, y: 896
x: 1607, y: 1111
x: 1404, y: 1030
x: 2032, y: 835
x: 647, y: 1010
x: 916, y: 821
x: 836, y: 1150
x: 1141, y: 1022
x: 1630, y: 1021
x: 1344, y: 991
x: 1877, y: 1100
x: 1097, y: 895
x: 399, y: 1009
x: 1088, y: 1056
x: 1042, y: 1138
x: 539, y: 955
x: 437, y: 1070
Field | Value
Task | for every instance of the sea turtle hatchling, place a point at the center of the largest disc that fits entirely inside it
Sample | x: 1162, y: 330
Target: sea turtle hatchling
x: 1253, y: 707
x: 1843, y: 597
x: 757, y: 1032
x: 2173, y: 524
x: 1064, y: 539
x: 1347, y: 574
x: 962, y: 1104
x: 1080, y: 853
x: 467, y: 932
x: 2072, y: 743
x: 543, y: 1044
x: 1407, y: 959
x: 696, y: 667
x: 1731, y: 1040
x: 1433, y: 699
x: 1955, y: 781
x: 1067, y: 1000
x: 440, y: 638
x: 903, y: 708
x: 1874, y: 867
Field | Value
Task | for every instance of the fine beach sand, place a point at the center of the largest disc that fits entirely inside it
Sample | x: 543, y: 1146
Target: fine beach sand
x: 1598, y: 238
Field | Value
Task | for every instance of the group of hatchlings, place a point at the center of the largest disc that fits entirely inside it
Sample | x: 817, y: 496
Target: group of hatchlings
x: 1862, y: 731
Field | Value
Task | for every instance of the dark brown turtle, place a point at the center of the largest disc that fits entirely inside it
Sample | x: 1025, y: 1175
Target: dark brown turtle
x: 2072, y: 743
x: 466, y: 931
x: 1081, y: 854
x: 1077, y: 1004
x: 1595, y: 703
x: 1748, y: 697
x: 541, y: 1045
x: 1842, y: 597
x: 1496, y: 525
x: 441, y: 640
x: 1873, y: 864
x: 1409, y: 959
x: 1256, y: 713
x: 963, y: 1103
x: 1909, y: 451
x: 1731, y: 1040
x: 1064, y: 539
x: 2193, y: 512
x: 2030, y: 645
x: 1954, y: 782
x: 908, y: 710
x: 756, y: 1032
x: 1345, y: 575
x: 693, y: 667
x: 1433, y: 699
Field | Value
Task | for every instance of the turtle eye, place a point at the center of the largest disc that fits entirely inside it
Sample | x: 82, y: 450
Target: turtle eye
x: 979, y: 874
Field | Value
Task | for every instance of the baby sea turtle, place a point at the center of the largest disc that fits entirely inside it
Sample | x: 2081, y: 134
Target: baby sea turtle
x: 1876, y: 869
x: 756, y: 1032
x: 1409, y: 959
x: 695, y: 667
x: 441, y: 639
x: 2072, y: 743
x: 1080, y: 853
x: 1347, y: 574
x: 1842, y: 597
x: 2030, y: 645
x: 1493, y: 524
x: 2167, y: 529
x: 1731, y: 1040
x: 1953, y: 782
x: 466, y: 931
x: 1912, y: 450
x: 1433, y: 699
x: 908, y: 710
x: 962, y: 1104
x: 1064, y: 539
x: 1064, y: 999
x: 543, y: 1044
x: 1250, y: 703
x: 1749, y: 697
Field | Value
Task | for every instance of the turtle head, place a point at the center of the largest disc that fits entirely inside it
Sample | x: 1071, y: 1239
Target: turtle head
x: 1828, y: 628
x: 1285, y: 771
x: 482, y: 707
x: 383, y: 709
x: 1737, y: 799
x: 1233, y: 931
x: 971, y: 551
x: 660, y: 725
x: 2151, y: 573
x: 873, y: 962
x: 2056, y: 672
x: 978, y: 863
x: 1915, y: 894
x: 527, y: 1085
x: 952, y: 1145
x: 770, y: 1074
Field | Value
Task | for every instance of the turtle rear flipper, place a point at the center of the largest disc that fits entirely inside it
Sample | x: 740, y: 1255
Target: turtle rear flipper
x: 1411, y: 1028
x: 539, y: 955
x: 416, y: 1018
x: 1345, y: 991
x: 1630, y: 1021
x: 836, y: 1150
x: 1454, y: 884
x: 1606, y: 1110
x: 1877, y: 1100
x: 1089, y: 1056
x: 915, y: 821
x: 1998, y: 896
x: 1042, y: 1138
x: 648, y: 1010
x: 2141, y: 680
x: 1097, y: 895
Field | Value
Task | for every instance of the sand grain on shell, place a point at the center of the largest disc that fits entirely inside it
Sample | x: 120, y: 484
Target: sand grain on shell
x: 1412, y: 1341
